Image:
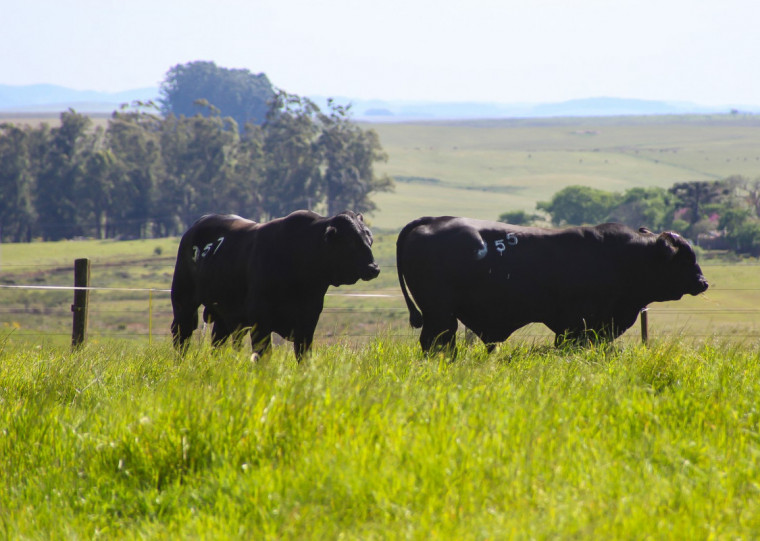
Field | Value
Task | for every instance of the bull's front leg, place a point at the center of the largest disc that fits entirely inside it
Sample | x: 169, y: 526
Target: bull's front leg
x: 302, y: 340
x: 303, y: 331
x: 261, y: 342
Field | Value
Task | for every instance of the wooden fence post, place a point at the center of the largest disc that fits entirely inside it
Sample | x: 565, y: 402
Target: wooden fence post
x: 644, y: 326
x: 81, y: 301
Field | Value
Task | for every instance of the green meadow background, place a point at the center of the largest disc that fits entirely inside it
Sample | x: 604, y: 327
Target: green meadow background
x: 368, y: 439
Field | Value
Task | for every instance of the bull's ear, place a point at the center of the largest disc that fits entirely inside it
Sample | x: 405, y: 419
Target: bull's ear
x: 666, y: 245
x: 360, y: 217
x: 330, y: 233
x: 645, y: 231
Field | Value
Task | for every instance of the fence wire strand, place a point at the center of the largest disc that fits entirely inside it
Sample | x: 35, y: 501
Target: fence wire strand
x: 161, y: 313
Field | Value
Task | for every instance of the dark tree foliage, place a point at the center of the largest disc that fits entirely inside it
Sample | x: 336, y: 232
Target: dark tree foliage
x: 236, y: 93
x: 349, y: 153
x: 134, y: 140
x: 59, y: 173
x: 292, y: 178
x: 518, y: 217
x: 644, y: 207
x: 17, y: 184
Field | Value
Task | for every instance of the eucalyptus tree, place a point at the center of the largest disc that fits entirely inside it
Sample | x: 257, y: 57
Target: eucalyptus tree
x: 17, y: 184
x: 135, y: 146
x: 291, y: 173
x: 237, y: 93
x: 60, y: 170
x: 198, y: 154
x: 349, y: 153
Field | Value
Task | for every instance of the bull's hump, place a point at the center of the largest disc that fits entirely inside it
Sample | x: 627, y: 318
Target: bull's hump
x: 229, y: 221
x: 482, y: 252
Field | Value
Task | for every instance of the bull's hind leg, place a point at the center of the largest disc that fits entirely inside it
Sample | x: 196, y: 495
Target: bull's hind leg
x: 220, y: 332
x: 439, y: 335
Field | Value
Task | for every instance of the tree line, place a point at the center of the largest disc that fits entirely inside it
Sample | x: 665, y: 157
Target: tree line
x: 150, y: 174
x: 721, y: 213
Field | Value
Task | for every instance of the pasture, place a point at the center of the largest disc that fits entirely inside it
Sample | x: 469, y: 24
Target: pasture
x: 375, y: 442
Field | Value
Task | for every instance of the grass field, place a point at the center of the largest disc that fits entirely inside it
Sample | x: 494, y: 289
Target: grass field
x: 374, y: 442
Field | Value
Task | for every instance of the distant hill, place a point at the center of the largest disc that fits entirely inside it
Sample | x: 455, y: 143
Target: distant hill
x: 51, y: 98
x: 44, y: 98
x: 384, y: 111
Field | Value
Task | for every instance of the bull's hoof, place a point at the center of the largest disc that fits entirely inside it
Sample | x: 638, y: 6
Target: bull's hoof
x: 255, y: 357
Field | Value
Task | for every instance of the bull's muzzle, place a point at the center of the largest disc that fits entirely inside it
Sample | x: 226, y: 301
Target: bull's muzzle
x: 370, y: 271
x: 700, y: 286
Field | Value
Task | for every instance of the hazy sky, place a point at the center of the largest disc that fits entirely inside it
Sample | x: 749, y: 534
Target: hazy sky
x: 706, y: 52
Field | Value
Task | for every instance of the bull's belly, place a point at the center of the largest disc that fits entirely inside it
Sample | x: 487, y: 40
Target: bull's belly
x: 497, y: 312
x: 498, y: 317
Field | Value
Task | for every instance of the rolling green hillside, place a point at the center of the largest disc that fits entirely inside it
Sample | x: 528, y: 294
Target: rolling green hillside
x: 482, y: 169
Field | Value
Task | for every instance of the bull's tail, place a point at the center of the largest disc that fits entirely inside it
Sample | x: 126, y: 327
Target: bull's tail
x: 415, y: 317
x: 183, y: 297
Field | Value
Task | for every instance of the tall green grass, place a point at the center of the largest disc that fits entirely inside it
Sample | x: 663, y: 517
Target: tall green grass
x: 378, y: 442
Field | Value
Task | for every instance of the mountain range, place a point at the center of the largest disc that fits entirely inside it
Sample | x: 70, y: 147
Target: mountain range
x: 46, y: 98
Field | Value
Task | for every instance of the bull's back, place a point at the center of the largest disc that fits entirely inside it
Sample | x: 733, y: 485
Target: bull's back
x: 499, y: 264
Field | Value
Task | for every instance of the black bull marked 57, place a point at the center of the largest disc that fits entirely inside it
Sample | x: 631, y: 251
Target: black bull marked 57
x: 584, y: 283
x: 266, y: 277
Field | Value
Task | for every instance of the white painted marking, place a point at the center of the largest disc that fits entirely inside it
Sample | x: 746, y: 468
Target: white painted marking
x: 510, y: 240
x: 197, y: 253
x: 220, y: 240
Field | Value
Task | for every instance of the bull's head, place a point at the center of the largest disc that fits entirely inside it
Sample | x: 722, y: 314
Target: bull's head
x: 349, y: 249
x: 681, y: 273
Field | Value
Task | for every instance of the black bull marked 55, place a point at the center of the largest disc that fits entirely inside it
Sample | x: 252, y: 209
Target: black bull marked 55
x: 584, y: 283
x: 266, y: 277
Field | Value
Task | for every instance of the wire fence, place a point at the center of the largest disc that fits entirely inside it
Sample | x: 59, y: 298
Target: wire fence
x: 41, y: 312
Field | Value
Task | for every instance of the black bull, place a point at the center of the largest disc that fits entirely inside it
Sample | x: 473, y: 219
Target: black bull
x: 584, y: 283
x: 266, y: 277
